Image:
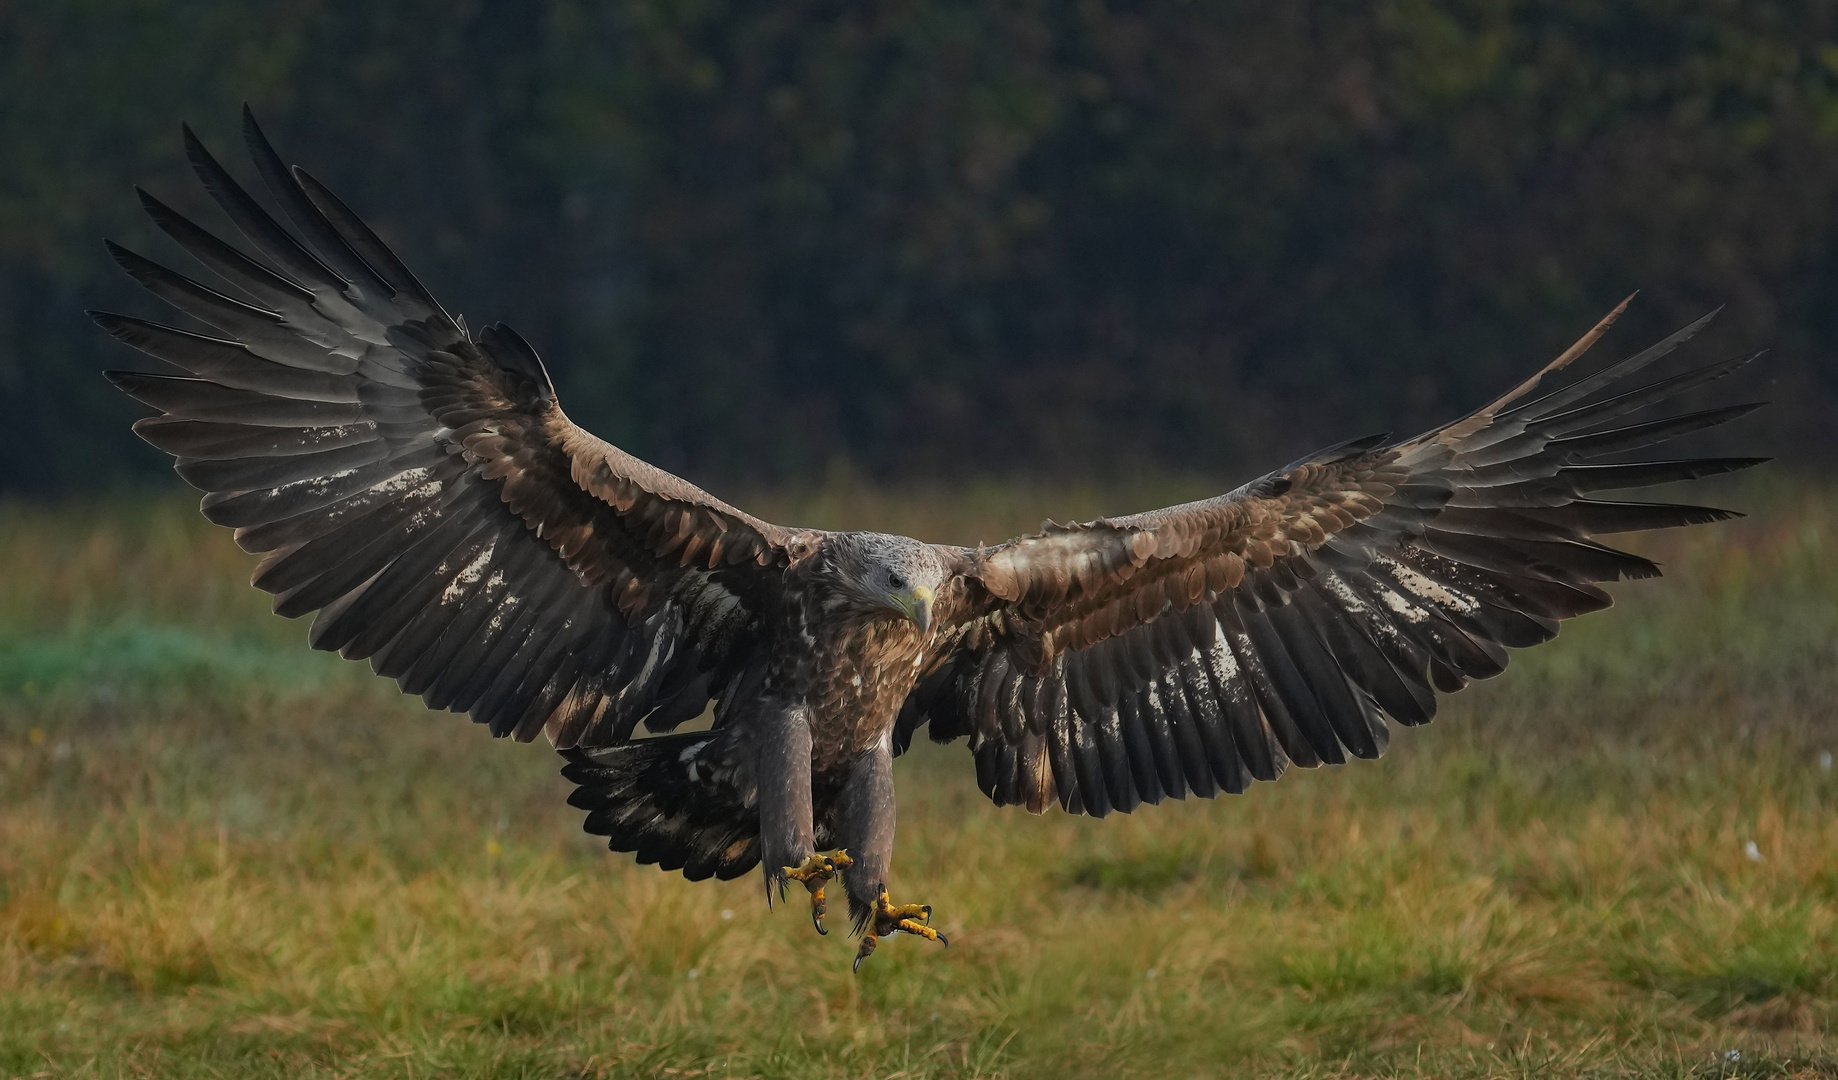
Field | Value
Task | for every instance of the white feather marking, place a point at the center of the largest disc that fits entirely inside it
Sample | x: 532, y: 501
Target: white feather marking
x: 400, y: 482
x: 317, y: 483
x: 1432, y: 591
x: 693, y: 749
x: 324, y: 434
x: 474, y: 569
x: 420, y: 518
x: 1401, y: 607
x: 1343, y: 593
x: 503, y: 614
x: 1224, y: 666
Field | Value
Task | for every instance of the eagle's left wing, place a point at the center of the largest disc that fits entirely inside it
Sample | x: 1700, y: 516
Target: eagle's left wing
x: 1197, y: 648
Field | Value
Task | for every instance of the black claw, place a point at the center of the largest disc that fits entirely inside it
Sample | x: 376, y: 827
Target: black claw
x: 863, y: 952
x: 945, y: 941
x: 927, y: 909
x: 817, y: 921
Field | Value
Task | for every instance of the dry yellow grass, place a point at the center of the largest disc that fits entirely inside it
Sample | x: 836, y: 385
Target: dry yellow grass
x: 223, y: 855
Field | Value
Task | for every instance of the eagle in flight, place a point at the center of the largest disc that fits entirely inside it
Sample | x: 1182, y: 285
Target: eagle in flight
x: 418, y: 486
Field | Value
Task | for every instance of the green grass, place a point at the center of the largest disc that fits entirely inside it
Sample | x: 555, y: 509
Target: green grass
x: 222, y: 854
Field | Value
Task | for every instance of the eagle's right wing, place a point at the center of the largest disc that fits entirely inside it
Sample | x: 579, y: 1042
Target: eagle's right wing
x: 419, y: 488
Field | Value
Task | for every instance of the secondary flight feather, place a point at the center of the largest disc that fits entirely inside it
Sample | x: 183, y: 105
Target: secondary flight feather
x: 417, y: 488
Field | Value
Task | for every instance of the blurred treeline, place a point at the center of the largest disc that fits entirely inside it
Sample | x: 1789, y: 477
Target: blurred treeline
x: 758, y: 241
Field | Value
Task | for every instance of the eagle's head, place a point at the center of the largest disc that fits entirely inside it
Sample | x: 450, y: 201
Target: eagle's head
x: 875, y: 575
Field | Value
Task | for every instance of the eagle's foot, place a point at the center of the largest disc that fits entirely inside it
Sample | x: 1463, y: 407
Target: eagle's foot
x: 815, y: 872
x: 887, y: 919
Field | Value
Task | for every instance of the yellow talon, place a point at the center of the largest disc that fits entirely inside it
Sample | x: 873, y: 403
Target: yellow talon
x: 813, y: 873
x: 888, y: 919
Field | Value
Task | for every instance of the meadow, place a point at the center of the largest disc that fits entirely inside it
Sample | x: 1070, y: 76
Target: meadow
x: 223, y: 855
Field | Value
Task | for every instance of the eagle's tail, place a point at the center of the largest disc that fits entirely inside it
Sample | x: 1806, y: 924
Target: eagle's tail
x: 679, y: 801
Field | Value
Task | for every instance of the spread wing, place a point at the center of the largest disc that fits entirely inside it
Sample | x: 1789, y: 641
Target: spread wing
x: 1200, y: 647
x: 419, y: 488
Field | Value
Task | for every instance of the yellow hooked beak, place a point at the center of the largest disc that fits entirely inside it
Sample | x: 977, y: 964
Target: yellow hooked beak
x: 916, y: 604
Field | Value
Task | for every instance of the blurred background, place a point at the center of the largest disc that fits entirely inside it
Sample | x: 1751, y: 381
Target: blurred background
x: 772, y: 242
x: 941, y: 267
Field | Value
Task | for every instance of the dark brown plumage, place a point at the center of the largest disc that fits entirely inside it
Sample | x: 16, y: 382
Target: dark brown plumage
x: 418, y: 487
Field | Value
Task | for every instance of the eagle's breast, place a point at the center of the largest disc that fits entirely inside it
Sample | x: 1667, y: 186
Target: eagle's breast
x: 852, y: 673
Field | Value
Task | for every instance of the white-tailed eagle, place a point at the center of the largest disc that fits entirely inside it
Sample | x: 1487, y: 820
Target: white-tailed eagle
x: 418, y: 487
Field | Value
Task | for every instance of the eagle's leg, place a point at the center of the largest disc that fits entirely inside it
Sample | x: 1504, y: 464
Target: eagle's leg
x: 865, y: 821
x: 782, y: 768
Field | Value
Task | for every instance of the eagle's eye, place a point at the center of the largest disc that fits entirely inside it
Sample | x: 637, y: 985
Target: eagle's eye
x: 896, y: 579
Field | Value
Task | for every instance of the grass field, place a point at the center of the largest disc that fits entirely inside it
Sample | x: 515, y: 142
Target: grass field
x: 224, y: 855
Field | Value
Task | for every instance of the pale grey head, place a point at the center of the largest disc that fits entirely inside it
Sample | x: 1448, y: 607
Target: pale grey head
x: 878, y: 575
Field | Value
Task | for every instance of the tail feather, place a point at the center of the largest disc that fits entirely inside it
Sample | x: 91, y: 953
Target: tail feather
x: 684, y: 802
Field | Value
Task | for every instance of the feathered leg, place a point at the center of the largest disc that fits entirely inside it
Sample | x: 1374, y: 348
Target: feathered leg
x: 864, y: 821
x: 788, y: 847
x: 782, y: 764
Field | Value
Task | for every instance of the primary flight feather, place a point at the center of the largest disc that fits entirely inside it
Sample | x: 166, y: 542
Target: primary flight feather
x: 419, y: 488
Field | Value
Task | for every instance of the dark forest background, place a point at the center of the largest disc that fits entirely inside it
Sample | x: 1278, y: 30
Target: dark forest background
x: 765, y: 241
